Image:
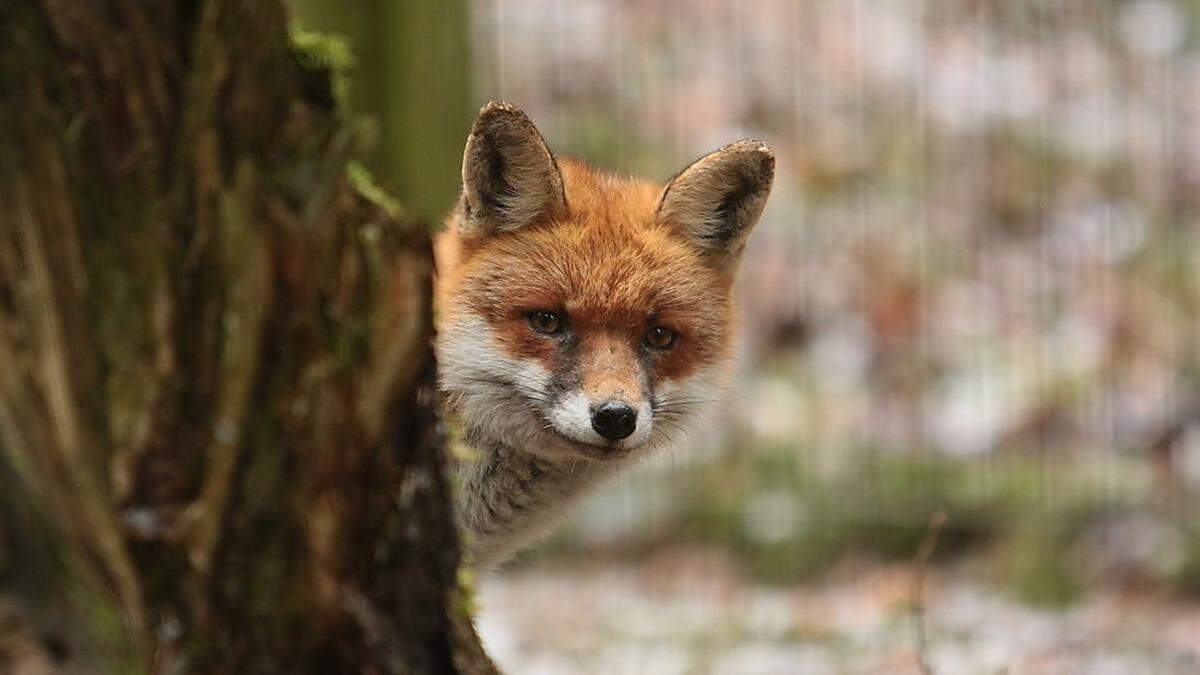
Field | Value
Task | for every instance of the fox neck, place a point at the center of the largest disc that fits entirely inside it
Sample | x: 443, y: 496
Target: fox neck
x: 509, y: 498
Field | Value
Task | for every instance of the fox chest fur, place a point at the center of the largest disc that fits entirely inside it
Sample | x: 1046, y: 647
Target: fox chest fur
x: 583, y: 319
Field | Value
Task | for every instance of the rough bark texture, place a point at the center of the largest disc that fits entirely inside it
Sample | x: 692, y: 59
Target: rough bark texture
x: 217, y: 411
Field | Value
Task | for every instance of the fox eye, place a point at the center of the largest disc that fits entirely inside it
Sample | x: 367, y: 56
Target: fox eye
x: 660, y: 337
x: 545, y: 322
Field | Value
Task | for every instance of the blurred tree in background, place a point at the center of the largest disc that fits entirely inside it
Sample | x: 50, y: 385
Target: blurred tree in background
x: 410, y: 81
x: 216, y: 386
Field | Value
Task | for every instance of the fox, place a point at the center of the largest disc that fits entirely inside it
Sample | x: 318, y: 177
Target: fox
x: 584, y: 320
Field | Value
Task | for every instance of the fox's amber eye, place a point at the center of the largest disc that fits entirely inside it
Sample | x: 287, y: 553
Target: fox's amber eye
x: 660, y: 337
x: 544, y: 321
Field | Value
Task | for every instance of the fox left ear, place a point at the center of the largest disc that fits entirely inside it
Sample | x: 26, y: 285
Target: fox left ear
x: 719, y: 198
x: 510, y: 177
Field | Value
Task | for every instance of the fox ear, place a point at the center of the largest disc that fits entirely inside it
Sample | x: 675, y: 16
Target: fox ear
x: 510, y: 178
x: 717, y: 200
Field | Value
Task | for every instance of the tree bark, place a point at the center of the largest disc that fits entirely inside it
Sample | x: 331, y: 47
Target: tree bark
x: 217, y: 406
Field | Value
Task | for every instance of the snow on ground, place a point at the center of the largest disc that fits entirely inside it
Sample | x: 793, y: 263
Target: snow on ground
x: 690, y: 612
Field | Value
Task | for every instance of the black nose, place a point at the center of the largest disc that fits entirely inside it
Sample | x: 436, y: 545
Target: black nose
x: 614, y: 420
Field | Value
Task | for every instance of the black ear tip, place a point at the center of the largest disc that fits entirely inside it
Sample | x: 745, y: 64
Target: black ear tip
x: 751, y: 157
x: 757, y: 151
x: 499, y: 112
x: 767, y: 161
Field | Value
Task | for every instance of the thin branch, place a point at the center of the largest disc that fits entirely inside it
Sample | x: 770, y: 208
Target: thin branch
x: 920, y: 562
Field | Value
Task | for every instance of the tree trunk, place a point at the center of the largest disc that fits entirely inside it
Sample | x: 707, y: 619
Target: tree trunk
x: 217, y: 407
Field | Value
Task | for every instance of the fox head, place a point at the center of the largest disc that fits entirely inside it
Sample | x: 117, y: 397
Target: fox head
x: 582, y: 314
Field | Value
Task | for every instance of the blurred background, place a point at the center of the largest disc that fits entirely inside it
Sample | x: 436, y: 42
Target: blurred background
x: 964, y: 436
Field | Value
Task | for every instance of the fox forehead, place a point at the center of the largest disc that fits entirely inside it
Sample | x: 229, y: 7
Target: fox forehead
x: 608, y: 266
x: 606, y: 262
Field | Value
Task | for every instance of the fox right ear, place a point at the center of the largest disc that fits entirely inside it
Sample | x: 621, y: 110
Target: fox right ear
x: 510, y: 178
x: 717, y: 200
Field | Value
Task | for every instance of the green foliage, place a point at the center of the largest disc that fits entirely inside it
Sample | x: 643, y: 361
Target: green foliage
x: 1041, y: 572
x: 466, y: 600
x: 789, y: 516
x: 364, y: 183
x: 321, y: 50
x: 1186, y: 580
x: 882, y: 506
x: 324, y: 53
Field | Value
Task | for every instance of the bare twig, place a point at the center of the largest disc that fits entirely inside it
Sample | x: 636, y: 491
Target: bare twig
x: 920, y: 561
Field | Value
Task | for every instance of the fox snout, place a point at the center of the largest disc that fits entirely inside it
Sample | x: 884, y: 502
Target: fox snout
x: 614, y: 386
x: 610, y: 424
x: 609, y: 407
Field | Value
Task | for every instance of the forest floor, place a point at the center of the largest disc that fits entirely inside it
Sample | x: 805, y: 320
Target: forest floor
x: 690, y: 611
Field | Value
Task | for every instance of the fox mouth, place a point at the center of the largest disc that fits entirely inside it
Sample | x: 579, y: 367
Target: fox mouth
x: 535, y: 404
x: 597, y: 451
x: 602, y: 452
